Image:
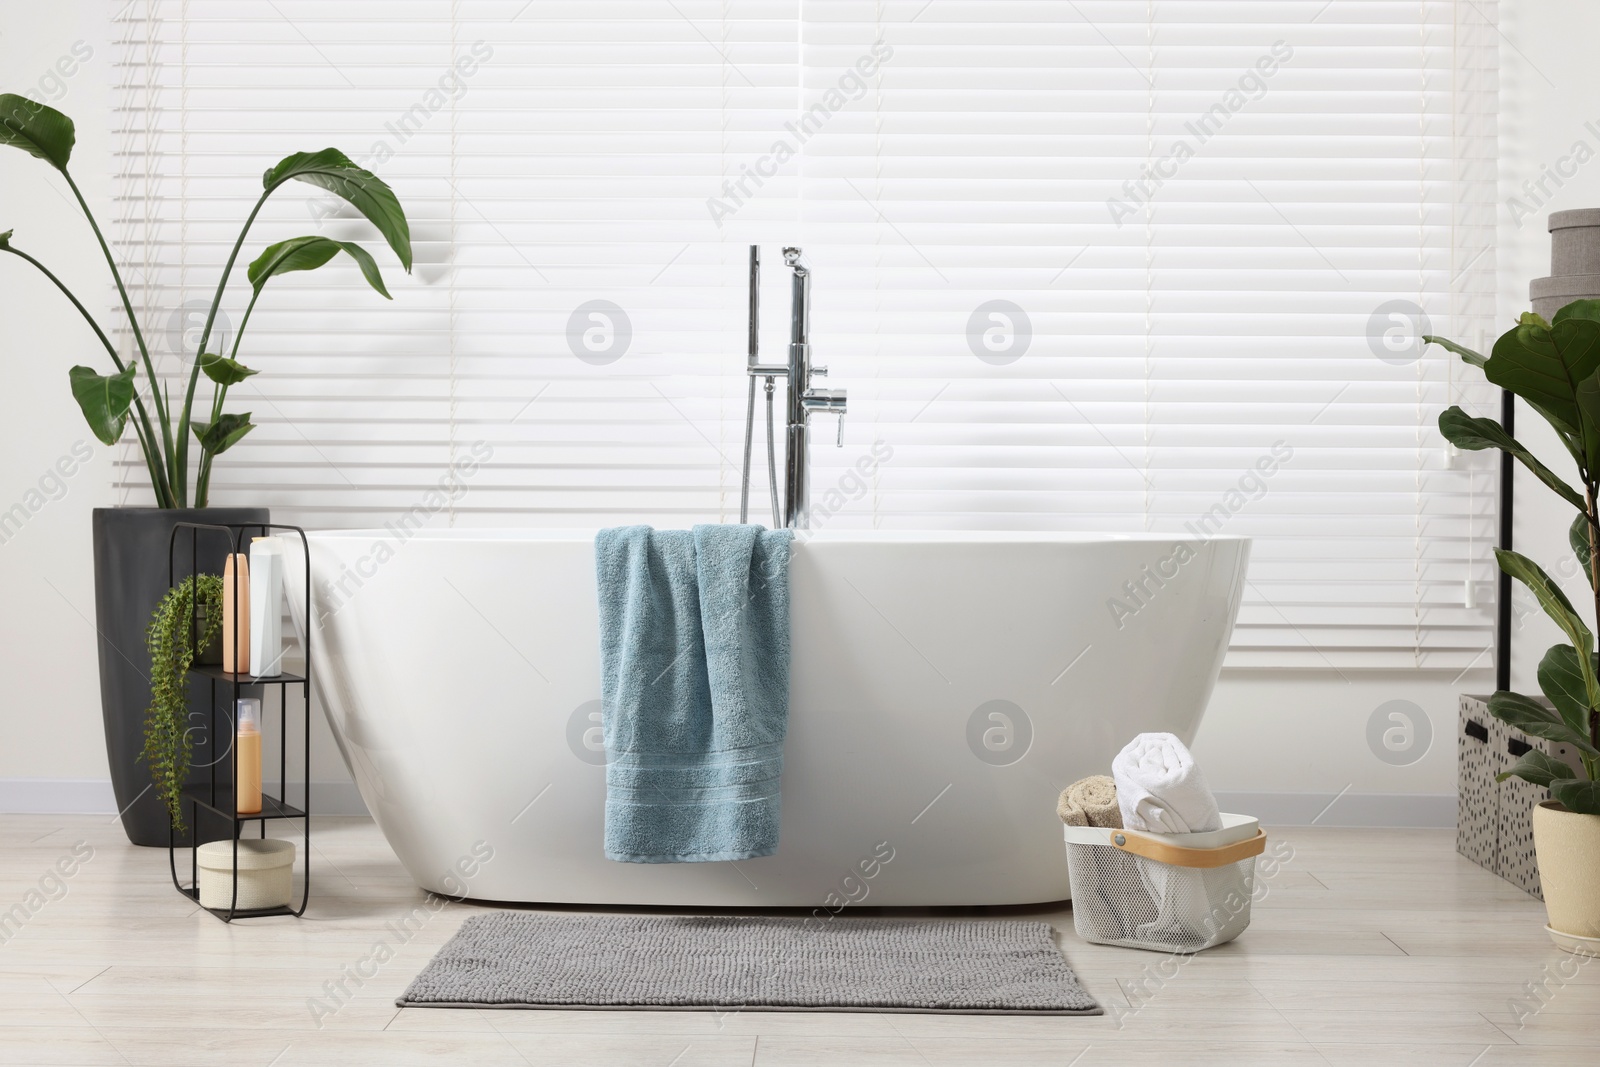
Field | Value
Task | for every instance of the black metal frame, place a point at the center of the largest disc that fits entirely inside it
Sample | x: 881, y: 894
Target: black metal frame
x: 206, y: 796
x: 1502, y: 600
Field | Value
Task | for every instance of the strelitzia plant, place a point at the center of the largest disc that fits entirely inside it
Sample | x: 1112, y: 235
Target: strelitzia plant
x: 110, y: 401
x: 1554, y: 367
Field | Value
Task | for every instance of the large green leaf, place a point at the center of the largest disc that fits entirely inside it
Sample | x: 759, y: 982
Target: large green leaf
x: 1475, y: 434
x: 1578, y: 794
x: 1556, y: 605
x: 309, y: 253
x: 1588, y: 440
x: 1570, y: 441
x: 332, y: 170
x: 1544, y: 366
x: 1579, y: 309
x: 1578, y: 535
x: 37, y: 129
x: 223, y: 434
x: 1561, y: 680
x: 1532, y: 717
x: 224, y: 371
x: 105, y: 400
x: 1538, y: 767
x: 1464, y: 352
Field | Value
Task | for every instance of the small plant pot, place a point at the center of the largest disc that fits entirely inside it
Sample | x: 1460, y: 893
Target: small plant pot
x: 132, y: 550
x: 1568, y: 847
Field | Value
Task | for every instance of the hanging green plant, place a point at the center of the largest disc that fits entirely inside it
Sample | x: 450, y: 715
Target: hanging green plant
x: 171, y: 639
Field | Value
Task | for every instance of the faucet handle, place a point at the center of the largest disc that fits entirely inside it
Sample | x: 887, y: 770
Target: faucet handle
x: 828, y: 400
x: 840, y: 442
x: 819, y: 372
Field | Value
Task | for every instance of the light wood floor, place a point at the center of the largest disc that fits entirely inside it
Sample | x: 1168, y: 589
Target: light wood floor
x: 1371, y: 947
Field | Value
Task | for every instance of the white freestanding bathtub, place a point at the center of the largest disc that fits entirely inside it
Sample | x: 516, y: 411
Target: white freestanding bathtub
x: 944, y: 688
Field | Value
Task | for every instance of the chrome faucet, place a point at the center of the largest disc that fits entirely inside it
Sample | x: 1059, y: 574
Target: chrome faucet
x: 802, y: 399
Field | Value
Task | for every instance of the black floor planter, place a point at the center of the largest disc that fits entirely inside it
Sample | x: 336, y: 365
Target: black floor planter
x: 130, y: 578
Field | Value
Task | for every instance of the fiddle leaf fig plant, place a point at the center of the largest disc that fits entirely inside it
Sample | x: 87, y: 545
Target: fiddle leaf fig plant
x: 110, y: 401
x: 1554, y: 367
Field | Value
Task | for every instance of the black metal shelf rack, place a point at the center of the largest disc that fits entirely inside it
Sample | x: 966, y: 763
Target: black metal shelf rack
x: 218, y: 796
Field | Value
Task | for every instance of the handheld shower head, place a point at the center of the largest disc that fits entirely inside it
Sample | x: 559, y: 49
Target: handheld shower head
x: 754, y: 346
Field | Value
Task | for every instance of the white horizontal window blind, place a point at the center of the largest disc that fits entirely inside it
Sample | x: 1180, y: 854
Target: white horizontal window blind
x: 1106, y: 265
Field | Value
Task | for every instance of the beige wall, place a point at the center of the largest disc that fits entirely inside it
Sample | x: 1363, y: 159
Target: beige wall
x: 49, y: 703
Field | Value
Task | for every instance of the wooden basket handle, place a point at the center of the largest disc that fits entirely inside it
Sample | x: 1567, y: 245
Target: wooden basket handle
x: 1178, y: 856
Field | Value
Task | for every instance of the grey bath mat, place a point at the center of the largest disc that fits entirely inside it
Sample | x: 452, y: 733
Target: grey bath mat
x: 520, y: 960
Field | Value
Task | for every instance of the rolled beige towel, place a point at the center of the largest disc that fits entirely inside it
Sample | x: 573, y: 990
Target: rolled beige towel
x: 1090, y: 802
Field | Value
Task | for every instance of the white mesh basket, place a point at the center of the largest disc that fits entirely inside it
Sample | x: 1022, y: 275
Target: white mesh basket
x: 1164, y: 892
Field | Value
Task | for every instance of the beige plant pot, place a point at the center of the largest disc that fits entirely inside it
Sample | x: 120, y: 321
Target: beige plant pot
x: 1568, y: 848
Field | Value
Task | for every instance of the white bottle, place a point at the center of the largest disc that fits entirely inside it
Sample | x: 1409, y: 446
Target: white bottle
x: 266, y: 606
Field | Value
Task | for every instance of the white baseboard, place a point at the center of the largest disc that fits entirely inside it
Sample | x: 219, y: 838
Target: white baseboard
x: 1427, y: 810
x: 93, y: 796
x: 57, y: 796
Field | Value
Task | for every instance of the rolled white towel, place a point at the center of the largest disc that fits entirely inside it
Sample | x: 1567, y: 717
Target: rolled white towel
x: 1160, y: 789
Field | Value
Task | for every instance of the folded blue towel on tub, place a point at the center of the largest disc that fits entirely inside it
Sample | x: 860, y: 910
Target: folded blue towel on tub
x: 694, y: 661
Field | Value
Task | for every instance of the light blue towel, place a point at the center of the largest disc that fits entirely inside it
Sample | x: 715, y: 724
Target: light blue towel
x: 694, y: 661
